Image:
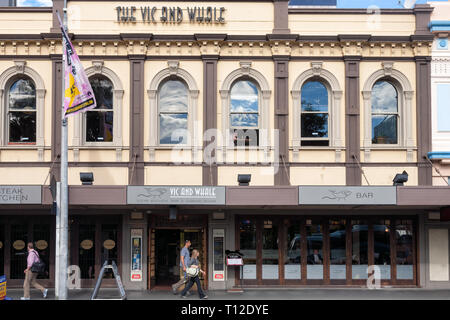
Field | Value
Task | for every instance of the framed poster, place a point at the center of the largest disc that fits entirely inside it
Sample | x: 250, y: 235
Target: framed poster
x: 136, y: 254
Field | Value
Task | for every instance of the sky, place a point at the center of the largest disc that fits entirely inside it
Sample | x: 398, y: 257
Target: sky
x: 340, y: 3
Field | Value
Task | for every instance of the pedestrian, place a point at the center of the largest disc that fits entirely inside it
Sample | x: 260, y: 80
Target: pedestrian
x: 184, y: 261
x: 195, y: 264
x: 30, y: 277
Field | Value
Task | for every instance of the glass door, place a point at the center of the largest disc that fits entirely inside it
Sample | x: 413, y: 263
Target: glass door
x: 2, y: 249
x: 270, y: 252
x: 315, y: 249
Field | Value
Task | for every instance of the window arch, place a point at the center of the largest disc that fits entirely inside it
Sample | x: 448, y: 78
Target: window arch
x: 316, y: 95
x: 245, y: 112
x: 166, y: 84
x: 22, y: 94
x: 101, y: 126
x: 387, y: 95
x: 314, y: 120
x: 21, y: 111
x: 385, y: 113
x: 245, y: 95
x: 173, y: 112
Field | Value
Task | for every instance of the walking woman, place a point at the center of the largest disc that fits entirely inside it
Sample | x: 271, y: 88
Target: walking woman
x: 193, y: 263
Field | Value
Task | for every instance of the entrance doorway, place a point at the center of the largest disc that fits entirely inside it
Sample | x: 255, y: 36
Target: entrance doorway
x: 167, y: 246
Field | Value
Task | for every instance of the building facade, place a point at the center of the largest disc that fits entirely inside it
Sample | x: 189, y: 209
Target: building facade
x: 323, y: 107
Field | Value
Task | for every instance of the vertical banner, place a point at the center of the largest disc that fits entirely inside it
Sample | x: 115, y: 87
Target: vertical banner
x: 136, y: 254
x: 78, y: 93
x: 219, y: 255
x: 2, y: 287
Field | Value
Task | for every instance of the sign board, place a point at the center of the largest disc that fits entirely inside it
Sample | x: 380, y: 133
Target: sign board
x: 235, y: 262
x: 20, y: 195
x: 136, y: 255
x: 119, y: 283
x: 2, y: 287
x: 219, y: 255
x: 176, y: 195
x: 332, y: 195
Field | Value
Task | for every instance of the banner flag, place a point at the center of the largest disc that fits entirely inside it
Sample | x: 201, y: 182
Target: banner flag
x: 78, y: 93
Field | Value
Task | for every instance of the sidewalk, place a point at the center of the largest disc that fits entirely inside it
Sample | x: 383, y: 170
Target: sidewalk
x: 259, y: 294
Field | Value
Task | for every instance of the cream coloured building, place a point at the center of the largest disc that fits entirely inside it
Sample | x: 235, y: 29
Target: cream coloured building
x: 321, y: 106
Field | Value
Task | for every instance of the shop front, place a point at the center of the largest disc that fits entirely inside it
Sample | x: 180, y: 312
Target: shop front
x: 303, y: 249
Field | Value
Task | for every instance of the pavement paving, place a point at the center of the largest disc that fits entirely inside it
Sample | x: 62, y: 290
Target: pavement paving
x: 258, y: 294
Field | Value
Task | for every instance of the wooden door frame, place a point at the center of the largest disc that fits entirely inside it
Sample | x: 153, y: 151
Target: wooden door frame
x: 200, y: 224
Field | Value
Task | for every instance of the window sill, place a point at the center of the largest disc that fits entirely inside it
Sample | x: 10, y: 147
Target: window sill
x: 23, y: 147
x: 98, y: 147
x: 388, y: 147
x: 312, y: 148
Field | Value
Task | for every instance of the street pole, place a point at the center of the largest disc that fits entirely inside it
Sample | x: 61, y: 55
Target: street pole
x: 62, y: 291
x: 58, y: 231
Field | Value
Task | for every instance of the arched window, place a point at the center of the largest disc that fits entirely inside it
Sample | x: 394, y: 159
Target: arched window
x: 100, y: 120
x: 244, y: 113
x: 314, y: 114
x: 173, y: 112
x: 21, y: 112
x: 385, y: 113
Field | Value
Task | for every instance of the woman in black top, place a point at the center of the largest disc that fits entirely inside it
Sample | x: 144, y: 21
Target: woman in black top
x: 194, y: 264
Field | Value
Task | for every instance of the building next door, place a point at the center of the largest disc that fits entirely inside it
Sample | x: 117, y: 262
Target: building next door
x: 15, y: 233
x: 299, y: 250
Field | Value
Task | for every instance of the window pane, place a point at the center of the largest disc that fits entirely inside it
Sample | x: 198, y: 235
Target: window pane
x: 41, y: 235
x: 404, y: 246
x: 173, y: 97
x: 172, y: 124
x: 244, y: 97
x: 314, y: 96
x: 338, y: 253
x: 22, y: 127
x: 86, y: 254
x: 382, y: 248
x: 99, y: 126
x: 103, y: 92
x: 314, y: 239
x: 2, y: 249
x: 292, y: 265
x: 384, y: 97
x: 22, y: 95
x: 314, y: 125
x: 109, y: 247
x: 245, y: 137
x: 247, y: 244
x: 360, y: 259
x: 244, y: 120
x: 384, y: 129
x: 270, y: 251
x: 18, y: 240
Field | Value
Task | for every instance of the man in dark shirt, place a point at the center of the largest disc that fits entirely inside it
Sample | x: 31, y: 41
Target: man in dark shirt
x: 184, y: 263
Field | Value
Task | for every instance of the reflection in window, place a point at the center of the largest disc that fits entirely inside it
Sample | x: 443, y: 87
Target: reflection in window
x: 173, y: 112
x: 292, y: 264
x: 360, y: 258
x: 314, y: 114
x: 244, y: 113
x: 384, y: 113
x: 247, y: 245
x: 382, y: 247
x: 99, y: 121
x: 19, y: 240
x: 270, y: 251
x: 41, y: 234
x: 404, y: 249
x: 314, y: 240
x: 338, y: 253
x: 22, y: 112
x: 2, y: 249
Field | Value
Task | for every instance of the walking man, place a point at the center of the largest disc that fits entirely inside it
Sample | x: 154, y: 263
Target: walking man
x: 184, y: 262
x: 30, y: 277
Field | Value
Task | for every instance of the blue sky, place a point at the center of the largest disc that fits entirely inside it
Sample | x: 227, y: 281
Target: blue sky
x: 340, y: 3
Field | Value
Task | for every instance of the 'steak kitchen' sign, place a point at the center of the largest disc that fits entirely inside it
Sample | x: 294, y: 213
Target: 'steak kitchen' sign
x: 205, y: 15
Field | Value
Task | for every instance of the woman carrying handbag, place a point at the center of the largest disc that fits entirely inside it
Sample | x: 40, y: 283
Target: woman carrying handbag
x: 192, y: 272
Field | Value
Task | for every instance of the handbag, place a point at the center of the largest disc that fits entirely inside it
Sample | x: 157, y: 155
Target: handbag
x: 192, y: 272
x: 38, y: 266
